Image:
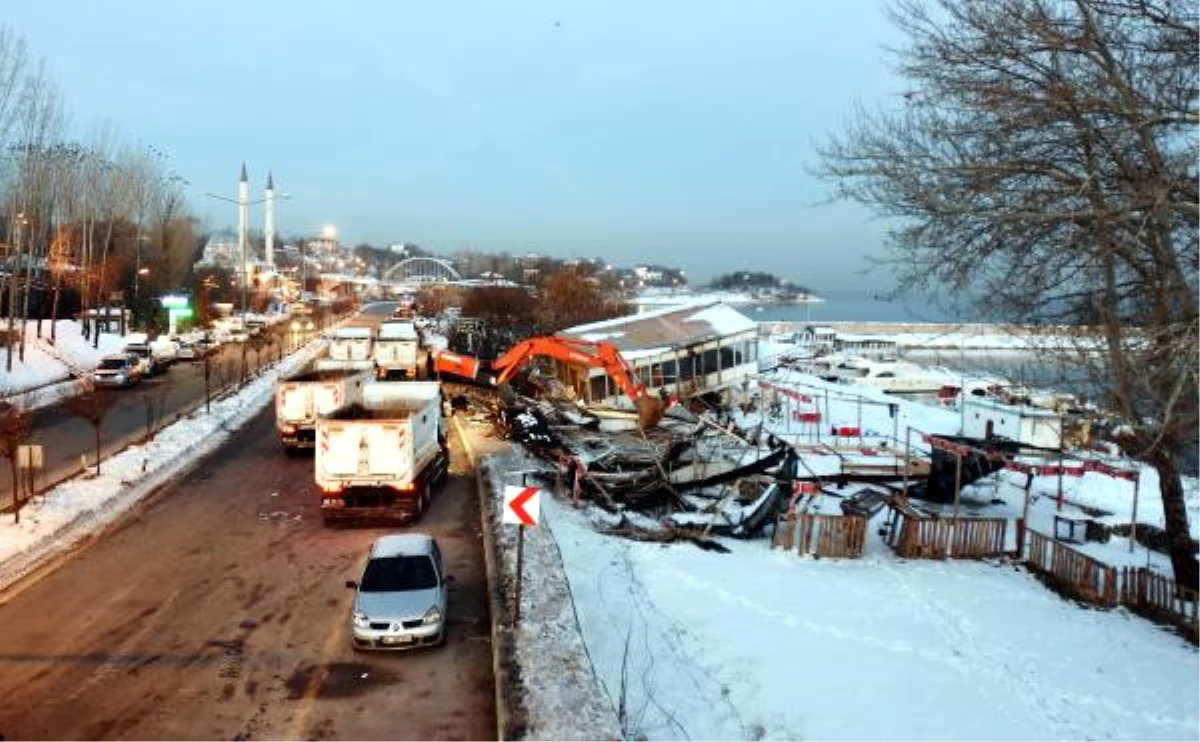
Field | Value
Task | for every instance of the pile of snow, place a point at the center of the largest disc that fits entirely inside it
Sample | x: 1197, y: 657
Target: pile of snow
x: 558, y: 695
x: 48, y: 363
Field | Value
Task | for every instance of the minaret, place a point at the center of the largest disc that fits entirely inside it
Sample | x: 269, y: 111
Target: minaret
x: 243, y: 225
x: 269, y: 222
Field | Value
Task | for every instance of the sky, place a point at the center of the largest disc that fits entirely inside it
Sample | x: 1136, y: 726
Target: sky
x: 679, y: 134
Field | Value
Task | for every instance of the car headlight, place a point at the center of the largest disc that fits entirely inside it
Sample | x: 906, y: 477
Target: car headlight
x: 361, y: 620
x: 121, y: 377
x: 432, y: 616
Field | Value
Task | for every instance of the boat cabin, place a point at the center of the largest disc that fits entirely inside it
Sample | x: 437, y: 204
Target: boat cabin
x: 1025, y: 424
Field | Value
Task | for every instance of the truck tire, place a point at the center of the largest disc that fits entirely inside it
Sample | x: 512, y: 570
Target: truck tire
x: 443, y: 474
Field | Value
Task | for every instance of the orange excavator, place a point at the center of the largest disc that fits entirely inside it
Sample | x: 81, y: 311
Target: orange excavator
x: 568, y: 350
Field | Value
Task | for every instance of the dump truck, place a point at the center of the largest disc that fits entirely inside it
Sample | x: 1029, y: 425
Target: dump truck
x: 352, y: 343
x: 381, y: 459
x: 317, y: 389
x: 396, y: 350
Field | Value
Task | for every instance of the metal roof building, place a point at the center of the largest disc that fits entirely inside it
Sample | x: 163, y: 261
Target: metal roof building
x: 683, y: 351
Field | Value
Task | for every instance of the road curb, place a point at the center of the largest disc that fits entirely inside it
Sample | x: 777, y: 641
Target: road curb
x: 501, y: 644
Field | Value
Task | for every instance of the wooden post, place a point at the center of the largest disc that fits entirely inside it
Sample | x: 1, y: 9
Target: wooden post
x: 1024, y: 518
x: 957, y: 488
x: 907, y: 455
x: 1137, y: 481
x: 1060, y: 476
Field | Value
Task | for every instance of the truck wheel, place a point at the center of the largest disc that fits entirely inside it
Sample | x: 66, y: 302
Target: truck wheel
x: 443, y: 474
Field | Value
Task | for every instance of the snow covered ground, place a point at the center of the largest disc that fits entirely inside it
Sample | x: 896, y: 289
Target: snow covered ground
x: 673, y: 642
x: 759, y: 643
x: 45, y: 375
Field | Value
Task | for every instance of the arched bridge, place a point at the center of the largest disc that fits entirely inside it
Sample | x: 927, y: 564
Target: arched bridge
x: 421, y: 270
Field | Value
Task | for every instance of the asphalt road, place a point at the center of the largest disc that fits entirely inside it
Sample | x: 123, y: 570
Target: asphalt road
x: 217, y: 610
x: 64, y: 437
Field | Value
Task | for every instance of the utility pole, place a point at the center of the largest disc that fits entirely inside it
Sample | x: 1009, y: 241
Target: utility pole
x: 243, y: 204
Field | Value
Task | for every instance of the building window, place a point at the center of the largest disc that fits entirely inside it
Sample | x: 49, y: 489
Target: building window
x: 669, y: 371
x: 727, y: 357
x: 598, y: 386
x: 686, y: 371
x: 709, y: 363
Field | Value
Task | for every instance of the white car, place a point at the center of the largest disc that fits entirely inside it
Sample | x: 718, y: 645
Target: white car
x: 119, y: 369
x: 400, y: 601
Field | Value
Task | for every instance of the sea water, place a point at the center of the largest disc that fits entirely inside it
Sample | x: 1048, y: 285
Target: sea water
x: 861, y: 306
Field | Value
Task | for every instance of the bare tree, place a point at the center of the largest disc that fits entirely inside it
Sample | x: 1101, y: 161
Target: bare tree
x: 16, y: 427
x: 93, y: 405
x: 1044, y: 158
x: 207, y: 360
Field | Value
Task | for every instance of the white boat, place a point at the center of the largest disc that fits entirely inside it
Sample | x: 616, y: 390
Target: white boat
x: 889, y: 374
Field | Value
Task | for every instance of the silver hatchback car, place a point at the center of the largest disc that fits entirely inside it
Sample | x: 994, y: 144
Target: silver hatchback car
x: 400, y: 601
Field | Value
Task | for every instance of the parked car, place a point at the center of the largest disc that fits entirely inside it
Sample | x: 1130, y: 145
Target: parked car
x: 400, y: 601
x: 119, y: 369
x: 189, y: 350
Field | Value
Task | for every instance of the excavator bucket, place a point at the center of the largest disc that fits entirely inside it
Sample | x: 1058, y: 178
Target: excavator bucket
x: 650, y: 411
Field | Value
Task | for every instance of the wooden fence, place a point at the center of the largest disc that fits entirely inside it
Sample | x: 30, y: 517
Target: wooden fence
x: 822, y: 535
x: 1073, y: 573
x: 1158, y: 598
x: 942, y: 538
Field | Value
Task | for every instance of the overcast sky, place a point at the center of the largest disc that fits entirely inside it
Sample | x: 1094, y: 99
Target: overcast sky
x: 670, y: 132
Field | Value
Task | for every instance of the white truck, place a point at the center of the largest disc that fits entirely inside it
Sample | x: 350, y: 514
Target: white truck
x: 315, y: 390
x: 352, y: 343
x: 150, y: 363
x: 396, y: 350
x: 382, y: 459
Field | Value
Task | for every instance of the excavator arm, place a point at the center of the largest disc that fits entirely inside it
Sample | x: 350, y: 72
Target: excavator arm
x: 584, y: 353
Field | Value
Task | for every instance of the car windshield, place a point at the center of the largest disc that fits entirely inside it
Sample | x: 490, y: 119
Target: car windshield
x: 112, y: 364
x: 398, y: 573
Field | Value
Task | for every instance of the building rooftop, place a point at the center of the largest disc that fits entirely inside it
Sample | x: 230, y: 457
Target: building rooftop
x: 665, y: 328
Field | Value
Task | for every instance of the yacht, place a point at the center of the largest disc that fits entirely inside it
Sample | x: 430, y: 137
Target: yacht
x: 887, y: 374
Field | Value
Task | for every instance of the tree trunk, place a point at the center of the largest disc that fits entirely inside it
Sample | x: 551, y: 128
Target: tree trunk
x: 54, y: 311
x: 16, y: 489
x: 1175, y: 520
x: 25, y: 298
x: 12, y: 317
